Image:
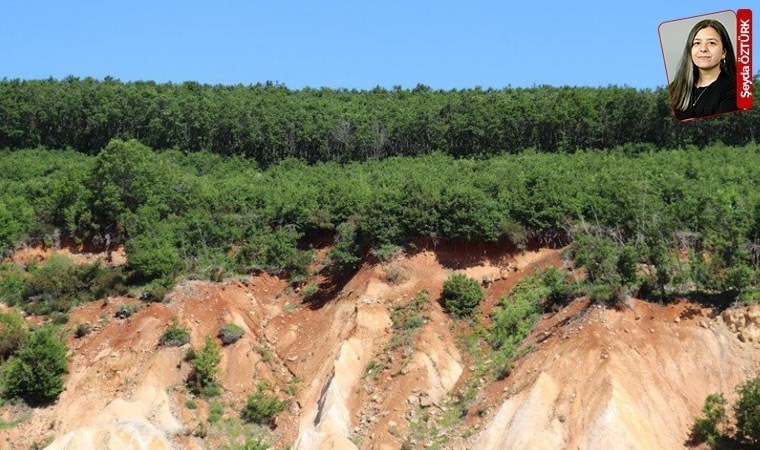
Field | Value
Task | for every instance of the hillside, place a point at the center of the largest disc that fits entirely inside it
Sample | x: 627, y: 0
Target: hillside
x: 591, y: 377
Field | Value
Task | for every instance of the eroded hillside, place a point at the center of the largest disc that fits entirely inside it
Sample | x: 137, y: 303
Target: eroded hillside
x: 374, y: 362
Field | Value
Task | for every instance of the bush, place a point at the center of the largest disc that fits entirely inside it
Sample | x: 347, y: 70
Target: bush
x: 275, y: 251
x: 747, y: 411
x: 559, y: 290
x: 58, y: 285
x: 263, y: 406
x: 126, y: 311
x: 175, y: 336
x: 203, y: 378
x: 461, y: 295
x: 36, y: 373
x: 714, y: 409
x: 514, y: 318
x: 309, y: 290
x: 346, y: 251
x: 156, y: 291
x: 152, y: 254
x: 230, y: 333
x: 215, y: 412
x: 82, y: 330
x: 14, y: 333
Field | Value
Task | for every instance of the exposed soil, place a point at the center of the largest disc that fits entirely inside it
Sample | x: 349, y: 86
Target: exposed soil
x: 593, y: 378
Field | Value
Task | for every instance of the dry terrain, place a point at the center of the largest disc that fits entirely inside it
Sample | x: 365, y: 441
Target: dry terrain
x: 591, y: 377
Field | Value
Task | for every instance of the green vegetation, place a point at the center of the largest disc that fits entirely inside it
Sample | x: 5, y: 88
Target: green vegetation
x: 263, y: 406
x: 647, y: 222
x: 407, y: 320
x: 14, y: 333
x: 36, y: 372
x: 269, y: 122
x: 58, y: 284
x: 513, y: 320
x: 203, y: 379
x: 747, y: 412
x: 175, y: 336
x: 707, y: 428
x: 126, y: 311
x: 309, y: 291
x: 461, y: 295
x: 712, y: 428
x: 230, y: 333
x: 215, y: 412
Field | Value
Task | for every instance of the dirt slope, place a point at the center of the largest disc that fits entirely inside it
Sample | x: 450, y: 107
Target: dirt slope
x: 596, y: 378
x: 602, y: 378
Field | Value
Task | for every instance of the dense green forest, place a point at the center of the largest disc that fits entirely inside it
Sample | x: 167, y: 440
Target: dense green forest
x: 205, y: 214
x: 269, y: 122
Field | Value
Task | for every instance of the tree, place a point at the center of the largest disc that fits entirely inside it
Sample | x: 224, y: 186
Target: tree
x: 36, y: 373
x: 747, y: 411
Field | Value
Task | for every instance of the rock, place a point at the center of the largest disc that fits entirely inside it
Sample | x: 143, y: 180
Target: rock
x: 413, y: 400
x: 677, y: 320
x: 651, y: 330
x: 392, y: 424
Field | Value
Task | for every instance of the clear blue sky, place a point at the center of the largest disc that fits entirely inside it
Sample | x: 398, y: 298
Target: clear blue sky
x: 353, y: 44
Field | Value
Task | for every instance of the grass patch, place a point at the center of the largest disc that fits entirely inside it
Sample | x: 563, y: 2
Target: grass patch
x: 408, y: 320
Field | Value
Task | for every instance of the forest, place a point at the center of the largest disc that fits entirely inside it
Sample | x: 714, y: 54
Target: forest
x: 269, y: 122
x: 209, y: 215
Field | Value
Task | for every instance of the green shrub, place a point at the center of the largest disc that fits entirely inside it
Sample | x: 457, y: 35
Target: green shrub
x: 82, y: 330
x: 386, y: 252
x: 408, y: 319
x: 36, y: 372
x: 747, y: 411
x: 126, y: 311
x: 230, y: 333
x: 559, y: 289
x: 346, y: 251
x: 152, y: 254
x: 175, y: 336
x: 517, y: 313
x: 461, y: 295
x: 263, y: 406
x: 14, y: 333
x: 714, y: 409
x: 59, y: 284
x: 309, y: 290
x: 203, y: 378
x: 275, y: 251
x: 215, y: 412
x: 156, y: 291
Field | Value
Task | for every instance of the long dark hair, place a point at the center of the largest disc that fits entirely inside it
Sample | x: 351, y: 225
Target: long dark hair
x: 688, y: 73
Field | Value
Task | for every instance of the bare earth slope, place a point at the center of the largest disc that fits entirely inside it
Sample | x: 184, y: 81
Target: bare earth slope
x: 595, y: 379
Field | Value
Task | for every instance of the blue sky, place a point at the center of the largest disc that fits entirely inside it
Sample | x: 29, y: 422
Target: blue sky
x: 351, y: 44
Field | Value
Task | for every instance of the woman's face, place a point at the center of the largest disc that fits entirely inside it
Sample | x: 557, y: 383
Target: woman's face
x: 707, y: 49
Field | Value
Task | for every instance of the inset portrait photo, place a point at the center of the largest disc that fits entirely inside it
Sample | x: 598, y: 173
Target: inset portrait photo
x: 700, y: 62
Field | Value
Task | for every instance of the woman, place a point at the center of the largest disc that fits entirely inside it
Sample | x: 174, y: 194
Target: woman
x: 705, y: 83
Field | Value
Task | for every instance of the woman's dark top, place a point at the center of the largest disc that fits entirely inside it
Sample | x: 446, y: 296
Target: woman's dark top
x: 715, y: 98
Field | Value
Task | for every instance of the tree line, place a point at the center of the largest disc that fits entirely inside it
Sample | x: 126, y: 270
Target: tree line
x: 269, y: 122
x: 197, y: 212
